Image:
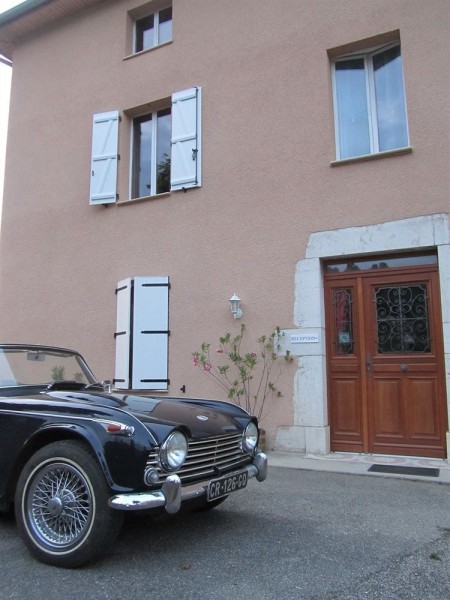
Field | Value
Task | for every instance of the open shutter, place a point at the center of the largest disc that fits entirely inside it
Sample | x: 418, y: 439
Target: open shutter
x: 150, y: 333
x: 105, y: 136
x: 185, y: 168
x: 123, y: 334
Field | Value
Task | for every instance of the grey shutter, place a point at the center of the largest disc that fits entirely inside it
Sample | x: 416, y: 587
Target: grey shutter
x: 186, y: 160
x: 105, y: 136
x: 150, y: 333
x: 123, y: 334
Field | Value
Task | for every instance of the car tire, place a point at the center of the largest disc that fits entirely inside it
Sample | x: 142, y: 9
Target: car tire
x: 61, y: 505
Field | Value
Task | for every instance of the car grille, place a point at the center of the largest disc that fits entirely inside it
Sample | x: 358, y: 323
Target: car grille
x: 206, y: 458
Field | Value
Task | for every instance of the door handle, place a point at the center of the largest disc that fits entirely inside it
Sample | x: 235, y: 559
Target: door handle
x: 404, y: 368
x: 369, y: 363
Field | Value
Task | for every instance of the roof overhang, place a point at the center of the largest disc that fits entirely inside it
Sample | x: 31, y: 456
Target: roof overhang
x: 30, y: 16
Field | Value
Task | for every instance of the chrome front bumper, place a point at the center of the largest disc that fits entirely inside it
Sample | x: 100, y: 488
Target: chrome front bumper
x: 172, y: 493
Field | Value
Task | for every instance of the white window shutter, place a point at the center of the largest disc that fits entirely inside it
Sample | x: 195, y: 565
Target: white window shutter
x: 123, y: 334
x: 186, y: 160
x: 105, y: 136
x: 150, y: 333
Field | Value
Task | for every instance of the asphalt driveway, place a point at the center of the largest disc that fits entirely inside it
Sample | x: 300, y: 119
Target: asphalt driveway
x: 299, y: 535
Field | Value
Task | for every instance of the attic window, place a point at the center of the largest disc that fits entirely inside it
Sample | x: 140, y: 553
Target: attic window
x: 153, y: 30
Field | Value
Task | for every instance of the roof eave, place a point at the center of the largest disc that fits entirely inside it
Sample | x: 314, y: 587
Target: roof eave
x: 30, y: 16
x: 21, y: 9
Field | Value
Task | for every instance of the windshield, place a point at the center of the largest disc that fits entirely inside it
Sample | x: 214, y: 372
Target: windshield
x: 41, y: 366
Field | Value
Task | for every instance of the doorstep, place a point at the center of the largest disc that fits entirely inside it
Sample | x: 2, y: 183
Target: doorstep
x: 382, y: 465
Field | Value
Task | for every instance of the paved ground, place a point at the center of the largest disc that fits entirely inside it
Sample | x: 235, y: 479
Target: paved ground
x: 301, y: 535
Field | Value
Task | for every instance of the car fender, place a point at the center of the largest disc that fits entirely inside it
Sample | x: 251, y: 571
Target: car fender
x: 125, y: 475
x: 78, y: 431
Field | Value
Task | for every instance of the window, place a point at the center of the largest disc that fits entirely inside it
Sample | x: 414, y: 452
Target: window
x: 142, y: 333
x: 369, y: 102
x: 153, y: 30
x: 165, y: 149
x: 151, y: 154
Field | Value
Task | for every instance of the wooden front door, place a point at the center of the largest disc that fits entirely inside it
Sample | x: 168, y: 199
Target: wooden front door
x: 385, y: 355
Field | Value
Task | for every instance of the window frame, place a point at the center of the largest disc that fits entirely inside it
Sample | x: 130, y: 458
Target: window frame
x: 367, y: 56
x: 138, y: 35
x: 152, y: 117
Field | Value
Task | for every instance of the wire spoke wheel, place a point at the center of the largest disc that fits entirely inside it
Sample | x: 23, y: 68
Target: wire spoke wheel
x: 60, y: 504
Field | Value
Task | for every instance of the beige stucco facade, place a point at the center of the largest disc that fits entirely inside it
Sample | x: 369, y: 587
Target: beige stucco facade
x: 274, y: 202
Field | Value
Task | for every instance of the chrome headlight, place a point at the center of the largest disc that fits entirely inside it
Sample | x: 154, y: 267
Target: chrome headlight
x: 250, y: 438
x: 173, y: 451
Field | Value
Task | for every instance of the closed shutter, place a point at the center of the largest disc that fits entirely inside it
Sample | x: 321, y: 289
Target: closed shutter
x: 186, y: 139
x: 105, y: 136
x: 142, y: 333
x: 150, y: 333
x: 123, y: 334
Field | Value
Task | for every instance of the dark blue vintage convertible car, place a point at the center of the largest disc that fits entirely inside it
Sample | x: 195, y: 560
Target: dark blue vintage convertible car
x: 74, y: 455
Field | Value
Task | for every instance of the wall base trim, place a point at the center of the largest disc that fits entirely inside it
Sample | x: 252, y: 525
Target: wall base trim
x: 307, y: 440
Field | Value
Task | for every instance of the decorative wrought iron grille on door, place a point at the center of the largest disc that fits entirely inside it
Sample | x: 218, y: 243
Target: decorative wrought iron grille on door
x: 402, y: 319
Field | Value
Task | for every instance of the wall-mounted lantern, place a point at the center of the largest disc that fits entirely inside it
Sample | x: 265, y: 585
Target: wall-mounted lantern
x: 235, y: 306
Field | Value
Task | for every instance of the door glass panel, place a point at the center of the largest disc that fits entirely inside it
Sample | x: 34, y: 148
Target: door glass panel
x: 402, y: 319
x: 343, y: 326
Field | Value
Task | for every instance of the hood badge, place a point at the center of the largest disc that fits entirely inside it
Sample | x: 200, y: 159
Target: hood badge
x: 202, y: 418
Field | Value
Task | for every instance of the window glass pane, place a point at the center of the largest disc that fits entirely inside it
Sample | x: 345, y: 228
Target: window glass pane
x: 390, y: 99
x: 165, y: 26
x: 164, y: 129
x: 351, y: 98
x: 383, y: 263
x: 142, y: 156
x: 145, y: 35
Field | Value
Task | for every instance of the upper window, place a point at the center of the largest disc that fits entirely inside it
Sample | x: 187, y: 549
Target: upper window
x: 165, y: 151
x: 153, y: 30
x: 151, y: 154
x: 369, y: 103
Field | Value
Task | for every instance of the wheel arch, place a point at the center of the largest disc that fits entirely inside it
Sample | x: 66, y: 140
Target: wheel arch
x: 56, y: 433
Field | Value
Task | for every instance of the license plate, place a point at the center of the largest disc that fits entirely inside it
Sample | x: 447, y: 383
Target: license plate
x: 226, y: 485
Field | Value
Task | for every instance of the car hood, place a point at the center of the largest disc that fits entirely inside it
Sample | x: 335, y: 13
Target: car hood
x: 201, y: 418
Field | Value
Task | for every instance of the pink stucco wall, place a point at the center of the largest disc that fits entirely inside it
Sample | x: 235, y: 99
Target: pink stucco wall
x: 268, y: 141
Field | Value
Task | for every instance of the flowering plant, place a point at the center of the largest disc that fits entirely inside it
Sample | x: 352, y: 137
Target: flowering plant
x: 246, y: 377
